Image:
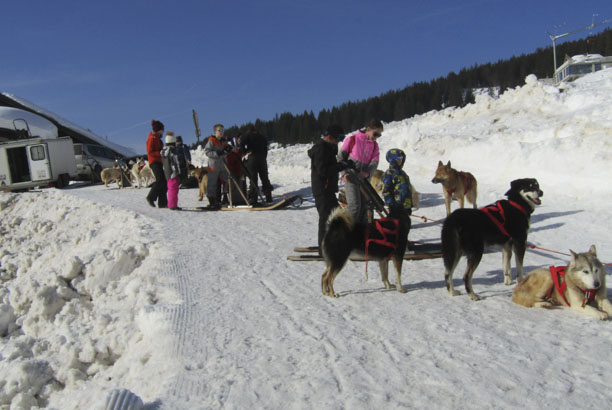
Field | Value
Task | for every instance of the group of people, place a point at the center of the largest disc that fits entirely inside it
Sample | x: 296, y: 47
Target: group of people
x: 169, y: 164
x: 360, y: 152
x: 225, y: 158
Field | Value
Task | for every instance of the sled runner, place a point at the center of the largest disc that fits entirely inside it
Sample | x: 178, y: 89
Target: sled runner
x: 295, y: 201
x: 413, y: 247
x: 361, y: 258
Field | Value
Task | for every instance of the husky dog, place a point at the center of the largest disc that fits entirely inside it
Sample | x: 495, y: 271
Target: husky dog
x: 135, y: 171
x: 377, y: 182
x: 201, y: 174
x: 343, y: 236
x: 457, y: 185
x: 505, y: 223
x: 146, y: 175
x: 112, y: 174
x: 581, y: 286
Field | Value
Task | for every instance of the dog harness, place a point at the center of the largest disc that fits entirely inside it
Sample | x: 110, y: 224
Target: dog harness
x: 558, y: 274
x: 467, y: 182
x: 385, y: 233
x: 495, y: 212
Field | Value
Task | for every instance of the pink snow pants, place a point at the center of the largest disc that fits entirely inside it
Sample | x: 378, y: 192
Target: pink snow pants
x: 173, y: 190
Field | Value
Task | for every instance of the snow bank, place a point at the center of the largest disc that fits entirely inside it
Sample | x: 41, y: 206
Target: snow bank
x: 72, y: 295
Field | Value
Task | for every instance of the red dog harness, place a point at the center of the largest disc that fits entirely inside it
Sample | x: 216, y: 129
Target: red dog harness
x: 385, y: 233
x: 496, y: 213
x: 558, y: 274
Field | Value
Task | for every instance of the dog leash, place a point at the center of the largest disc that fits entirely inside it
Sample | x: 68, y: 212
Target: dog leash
x: 426, y: 219
x: 532, y: 246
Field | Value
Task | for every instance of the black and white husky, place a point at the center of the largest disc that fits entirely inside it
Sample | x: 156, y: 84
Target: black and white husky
x: 386, y: 239
x: 505, y: 223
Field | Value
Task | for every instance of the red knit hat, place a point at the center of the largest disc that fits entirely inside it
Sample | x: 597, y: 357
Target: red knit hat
x: 157, y: 125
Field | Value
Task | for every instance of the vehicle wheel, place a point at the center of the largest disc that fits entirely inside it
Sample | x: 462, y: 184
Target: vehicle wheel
x: 95, y: 177
x: 59, y: 184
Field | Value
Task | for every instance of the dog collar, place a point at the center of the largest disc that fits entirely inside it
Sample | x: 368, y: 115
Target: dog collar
x: 558, y: 274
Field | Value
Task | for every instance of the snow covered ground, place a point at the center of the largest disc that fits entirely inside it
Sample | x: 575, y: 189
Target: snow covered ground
x: 188, y: 310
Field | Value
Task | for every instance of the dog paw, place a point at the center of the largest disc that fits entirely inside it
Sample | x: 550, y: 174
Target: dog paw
x: 454, y: 293
x: 602, y: 315
x: 508, y: 281
x: 401, y: 289
x: 474, y: 297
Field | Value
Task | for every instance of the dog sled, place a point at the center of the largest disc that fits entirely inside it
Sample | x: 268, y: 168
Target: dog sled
x: 414, y: 250
x: 238, y: 200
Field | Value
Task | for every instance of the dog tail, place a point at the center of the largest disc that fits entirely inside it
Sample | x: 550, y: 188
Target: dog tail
x: 338, y: 235
x: 451, y: 245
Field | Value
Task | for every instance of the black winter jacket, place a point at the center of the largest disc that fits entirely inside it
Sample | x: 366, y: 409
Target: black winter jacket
x: 254, y: 143
x: 324, y: 168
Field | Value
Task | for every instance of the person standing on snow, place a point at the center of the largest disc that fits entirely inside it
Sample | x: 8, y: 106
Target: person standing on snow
x: 360, y: 148
x: 159, y: 189
x: 255, y: 146
x: 396, y: 184
x: 324, y: 171
x: 216, y: 150
x: 184, y: 157
x: 172, y: 170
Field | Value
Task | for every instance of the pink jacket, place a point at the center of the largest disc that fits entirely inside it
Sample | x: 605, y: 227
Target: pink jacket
x: 362, y: 151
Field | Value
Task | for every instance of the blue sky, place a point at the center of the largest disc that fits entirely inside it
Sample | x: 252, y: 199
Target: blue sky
x: 112, y: 66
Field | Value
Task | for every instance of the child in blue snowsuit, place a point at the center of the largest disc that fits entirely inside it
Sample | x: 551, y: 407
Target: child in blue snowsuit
x: 396, y: 184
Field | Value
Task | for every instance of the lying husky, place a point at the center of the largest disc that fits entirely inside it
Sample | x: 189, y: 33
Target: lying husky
x: 377, y: 182
x: 505, y: 223
x: 457, y: 185
x: 579, y: 285
x: 343, y: 236
x: 201, y: 174
x: 112, y: 174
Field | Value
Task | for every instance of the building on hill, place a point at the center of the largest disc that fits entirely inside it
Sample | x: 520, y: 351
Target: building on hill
x: 577, y: 66
x: 64, y: 127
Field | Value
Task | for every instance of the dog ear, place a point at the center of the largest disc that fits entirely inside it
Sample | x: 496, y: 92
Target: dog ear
x: 440, y: 164
x: 512, y: 186
x: 574, y: 255
x: 448, y: 165
x: 593, y: 251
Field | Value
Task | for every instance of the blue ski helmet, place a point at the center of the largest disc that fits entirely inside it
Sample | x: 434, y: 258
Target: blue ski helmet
x: 396, y: 157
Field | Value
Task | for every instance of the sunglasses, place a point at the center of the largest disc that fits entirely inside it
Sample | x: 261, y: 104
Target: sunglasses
x: 219, y: 130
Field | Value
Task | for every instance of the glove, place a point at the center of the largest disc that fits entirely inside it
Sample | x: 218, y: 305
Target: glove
x: 347, y: 164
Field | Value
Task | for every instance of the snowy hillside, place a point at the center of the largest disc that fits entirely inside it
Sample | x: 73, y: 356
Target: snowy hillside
x: 189, y: 310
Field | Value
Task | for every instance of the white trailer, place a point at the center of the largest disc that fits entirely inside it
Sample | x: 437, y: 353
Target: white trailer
x: 33, y: 162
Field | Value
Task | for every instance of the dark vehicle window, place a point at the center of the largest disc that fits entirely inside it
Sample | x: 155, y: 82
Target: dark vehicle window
x: 37, y: 153
x: 109, y: 154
